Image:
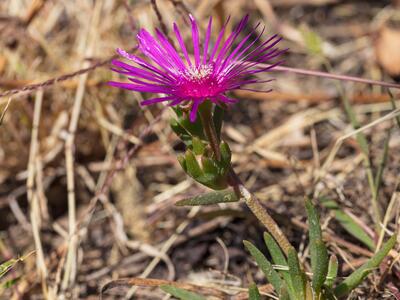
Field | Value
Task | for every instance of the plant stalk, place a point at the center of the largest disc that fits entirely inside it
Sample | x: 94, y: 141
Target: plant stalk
x: 251, y: 200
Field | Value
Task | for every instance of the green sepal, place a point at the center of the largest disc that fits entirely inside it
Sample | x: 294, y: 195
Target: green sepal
x: 181, y: 132
x: 192, y: 128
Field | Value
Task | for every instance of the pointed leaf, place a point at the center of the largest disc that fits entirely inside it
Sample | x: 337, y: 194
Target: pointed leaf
x: 265, y: 266
x: 332, y: 271
x: 319, y: 265
x: 211, y: 198
x: 209, y: 165
x: 279, y: 259
x: 315, y: 232
x: 182, y: 161
x: 198, y: 146
x: 296, y: 274
x: 181, y: 132
x: 349, y: 224
x: 226, y: 154
x: 358, y: 275
x: 254, y: 294
x: 318, y: 251
x: 192, y: 166
x: 181, y: 293
x: 284, y: 294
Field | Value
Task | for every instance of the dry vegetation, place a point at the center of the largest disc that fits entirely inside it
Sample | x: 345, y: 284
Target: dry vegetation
x: 88, y: 179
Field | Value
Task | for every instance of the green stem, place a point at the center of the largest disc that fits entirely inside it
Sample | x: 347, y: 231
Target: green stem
x: 209, y: 129
x: 242, y: 192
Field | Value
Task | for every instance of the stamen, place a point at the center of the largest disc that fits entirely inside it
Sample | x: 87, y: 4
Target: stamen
x: 194, y: 73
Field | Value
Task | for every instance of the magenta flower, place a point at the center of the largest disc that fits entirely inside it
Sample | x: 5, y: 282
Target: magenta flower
x: 214, y: 72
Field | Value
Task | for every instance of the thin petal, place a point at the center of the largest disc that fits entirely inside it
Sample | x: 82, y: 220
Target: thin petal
x: 206, y: 41
x: 156, y: 100
x: 181, y: 44
x: 220, y: 35
x: 196, y: 42
x: 195, y: 108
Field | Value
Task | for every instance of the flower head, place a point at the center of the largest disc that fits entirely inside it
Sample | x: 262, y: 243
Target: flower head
x: 208, y: 75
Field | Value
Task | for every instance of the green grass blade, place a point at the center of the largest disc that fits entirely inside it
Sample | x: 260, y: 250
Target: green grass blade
x: 210, y: 198
x: 332, y: 271
x: 297, y: 276
x: 350, y: 225
x: 265, y: 266
x: 254, y: 294
x: 358, y: 275
x: 181, y: 293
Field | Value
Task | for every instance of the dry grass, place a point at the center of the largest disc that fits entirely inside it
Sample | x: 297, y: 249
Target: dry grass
x: 88, y: 179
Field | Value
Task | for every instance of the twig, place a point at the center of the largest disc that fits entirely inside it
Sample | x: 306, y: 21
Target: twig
x: 159, y: 17
x: 70, y: 265
x: 33, y: 198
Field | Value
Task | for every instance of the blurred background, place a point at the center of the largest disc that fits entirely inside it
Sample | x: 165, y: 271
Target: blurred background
x: 88, y: 178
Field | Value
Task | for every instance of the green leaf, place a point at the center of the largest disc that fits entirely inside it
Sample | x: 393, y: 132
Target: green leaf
x: 318, y: 251
x: 192, y: 166
x: 265, y: 266
x: 358, y: 275
x: 315, y: 232
x: 7, y: 265
x: 226, y: 154
x: 198, y: 146
x: 181, y: 293
x: 284, y: 294
x: 191, y: 128
x: 211, y: 198
x: 209, y: 165
x: 332, y: 271
x: 10, y: 283
x: 180, y: 131
x: 254, y: 294
x: 297, y: 276
x: 279, y: 259
x: 182, y: 161
x: 349, y: 224
x: 319, y: 265
x: 312, y: 41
